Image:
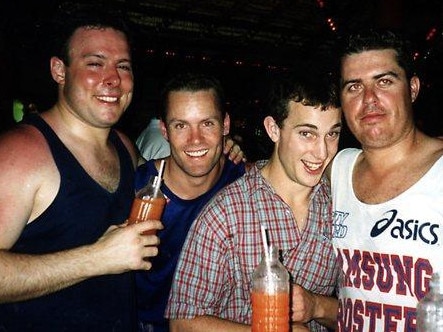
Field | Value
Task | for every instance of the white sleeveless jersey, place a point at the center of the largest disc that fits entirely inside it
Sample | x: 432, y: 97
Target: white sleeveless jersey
x: 388, y: 251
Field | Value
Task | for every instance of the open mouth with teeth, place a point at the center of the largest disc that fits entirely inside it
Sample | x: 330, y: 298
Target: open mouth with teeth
x: 312, y: 166
x: 198, y: 153
x: 107, y: 99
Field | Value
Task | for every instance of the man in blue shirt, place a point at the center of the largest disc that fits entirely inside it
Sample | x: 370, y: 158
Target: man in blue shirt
x: 196, y: 124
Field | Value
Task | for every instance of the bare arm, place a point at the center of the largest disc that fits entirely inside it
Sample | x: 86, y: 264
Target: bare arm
x: 205, y: 324
x: 28, y: 183
x: 214, y: 324
x: 120, y: 249
x: 307, y: 306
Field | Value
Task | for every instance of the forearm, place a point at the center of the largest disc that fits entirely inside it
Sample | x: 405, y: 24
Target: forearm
x: 214, y: 324
x: 326, y: 309
x: 25, y: 277
x: 205, y: 324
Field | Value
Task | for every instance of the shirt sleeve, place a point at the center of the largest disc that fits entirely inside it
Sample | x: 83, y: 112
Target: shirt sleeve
x: 201, y: 275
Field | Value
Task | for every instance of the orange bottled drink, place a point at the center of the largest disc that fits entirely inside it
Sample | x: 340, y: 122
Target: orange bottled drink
x: 270, y: 312
x: 149, y: 203
x: 270, y: 295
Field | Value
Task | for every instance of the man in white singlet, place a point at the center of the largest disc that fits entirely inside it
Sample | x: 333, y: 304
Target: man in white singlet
x: 388, y: 196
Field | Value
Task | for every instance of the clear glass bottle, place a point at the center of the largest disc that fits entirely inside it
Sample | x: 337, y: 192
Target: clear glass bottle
x: 270, y: 295
x: 149, y: 203
x: 430, y: 307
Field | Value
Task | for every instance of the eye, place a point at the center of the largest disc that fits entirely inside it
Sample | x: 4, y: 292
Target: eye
x: 354, y: 87
x: 125, y: 67
x: 94, y: 64
x: 179, y: 125
x: 208, y: 123
x: 334, y: 134
x: 384, y: 82
x: 306, y: 134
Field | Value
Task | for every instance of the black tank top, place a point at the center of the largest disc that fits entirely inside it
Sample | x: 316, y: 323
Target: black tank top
x: 79, y: 215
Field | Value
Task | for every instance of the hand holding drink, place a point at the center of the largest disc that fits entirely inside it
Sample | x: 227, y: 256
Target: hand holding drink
x: 149, y: 201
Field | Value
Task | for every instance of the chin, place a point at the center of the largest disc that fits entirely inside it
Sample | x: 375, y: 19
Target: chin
x: 313, y: 181
x: 198, y: 172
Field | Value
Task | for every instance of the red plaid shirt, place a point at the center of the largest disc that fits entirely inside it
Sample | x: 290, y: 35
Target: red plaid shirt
x: 224, y: 245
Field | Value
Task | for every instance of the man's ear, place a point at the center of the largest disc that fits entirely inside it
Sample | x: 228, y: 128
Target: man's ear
x: 58, y: 70
x: 415, y: 87
x: 163, y: 130
x: 272, y: 128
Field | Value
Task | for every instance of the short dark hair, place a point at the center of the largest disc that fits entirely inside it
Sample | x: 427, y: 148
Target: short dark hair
x: 192, y: 82
x: 308, y: 87
x: 67, y: 21
x: 380, y: 39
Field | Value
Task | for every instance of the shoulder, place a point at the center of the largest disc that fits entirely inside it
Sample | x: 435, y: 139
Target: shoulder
x: 147, y: 168
x: 234, y: 170
x: 433, y: 150
x: 437, y: 144
x: 342, y: 161
x: 28, y: 175
x: 24, y: 148
x: 235, y: 192
x: 143, y: 172
x: 345, y: 156
x: 130, y: 146
x: 348, y: 152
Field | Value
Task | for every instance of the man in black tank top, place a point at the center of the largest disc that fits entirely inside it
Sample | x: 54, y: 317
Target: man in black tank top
x: 66, y: 187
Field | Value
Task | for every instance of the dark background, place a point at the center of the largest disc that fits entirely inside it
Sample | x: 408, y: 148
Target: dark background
x: 244, y: 43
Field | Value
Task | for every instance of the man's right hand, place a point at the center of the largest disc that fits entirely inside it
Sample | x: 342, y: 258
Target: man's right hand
x: 123, y: 247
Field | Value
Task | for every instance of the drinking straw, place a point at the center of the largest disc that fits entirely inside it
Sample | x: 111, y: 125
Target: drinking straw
x: 162, y: 167
x: 264, y: 241
x: 158, y: 179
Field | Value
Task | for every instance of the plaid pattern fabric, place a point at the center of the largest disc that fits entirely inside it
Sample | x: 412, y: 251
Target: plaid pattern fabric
x: 224, y: 245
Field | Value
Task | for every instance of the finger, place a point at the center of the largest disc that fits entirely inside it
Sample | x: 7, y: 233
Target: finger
x: 150, y: 240
x: 146, y: 265
x: 150, y: 251
x: 237, y: 158
x: 228, y: 147
x: 149, y: 225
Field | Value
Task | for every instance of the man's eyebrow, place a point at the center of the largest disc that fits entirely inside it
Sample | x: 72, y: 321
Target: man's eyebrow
x: 388, y: 73
x: 309, y: 125
x: 94, y: 55
x: 102, y: 56
x: 346, y: 82
x: 358, y: 80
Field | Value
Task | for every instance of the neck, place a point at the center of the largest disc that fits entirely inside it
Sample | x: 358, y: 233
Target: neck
x: 386, y: 157
x: 185, y: 185
x: 66, y: 124
x: 288, y: 189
